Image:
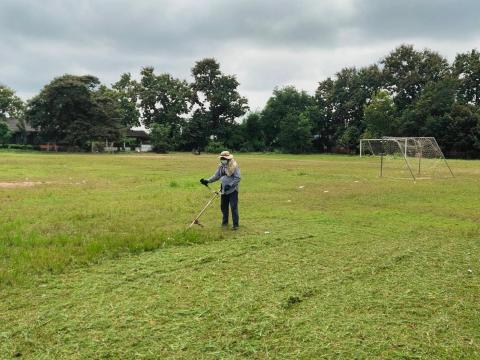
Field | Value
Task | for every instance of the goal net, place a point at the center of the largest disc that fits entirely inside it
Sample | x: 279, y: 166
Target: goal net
x: 413, y: 157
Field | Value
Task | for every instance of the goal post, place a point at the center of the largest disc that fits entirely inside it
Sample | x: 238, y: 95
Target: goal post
x: 414, y: 157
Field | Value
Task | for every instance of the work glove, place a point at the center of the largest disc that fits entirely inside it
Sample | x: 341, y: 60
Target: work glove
x: 226, y: 188
x: 204, y: 182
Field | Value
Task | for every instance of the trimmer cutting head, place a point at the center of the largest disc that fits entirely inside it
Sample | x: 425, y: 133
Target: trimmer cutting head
x: 197, y: 222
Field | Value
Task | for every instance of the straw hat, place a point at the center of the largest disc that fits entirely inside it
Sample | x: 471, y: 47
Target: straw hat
x: 225, y: 155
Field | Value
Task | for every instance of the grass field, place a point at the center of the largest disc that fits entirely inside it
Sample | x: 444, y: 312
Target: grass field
x: 330, y: 261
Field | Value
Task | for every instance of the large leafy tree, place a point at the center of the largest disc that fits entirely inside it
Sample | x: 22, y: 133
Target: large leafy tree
x: 254, y: 138
x: 341, y: 104
x: 438, y: 113
x: 4, y: 133
x: 379, y: 117
x: 348, y: 108
x: 371, y: 80
x: 435, y: 102
x: 111, y: 122
x: 465, y: 130
x: 160, y: 138
x: 11, y: 106
x: 407, y: 71
x: 321, y: 115
x: 74, y: 110
x: 295, y: 134
x: 196, y: 133
x: 282, y: 105
x: 164, y: 100
x: 234, y: 136
x: 126, y: 94
x: 217, y: 98
x: 466, y: 68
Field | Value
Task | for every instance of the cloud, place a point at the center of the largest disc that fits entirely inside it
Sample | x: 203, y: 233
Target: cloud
x: 265, y: 43
x: 428, y: 19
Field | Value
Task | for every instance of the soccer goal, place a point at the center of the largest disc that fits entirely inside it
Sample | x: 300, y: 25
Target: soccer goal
x: 413, y: 157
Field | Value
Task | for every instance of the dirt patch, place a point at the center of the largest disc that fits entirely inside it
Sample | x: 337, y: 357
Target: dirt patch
x: 20, y: 184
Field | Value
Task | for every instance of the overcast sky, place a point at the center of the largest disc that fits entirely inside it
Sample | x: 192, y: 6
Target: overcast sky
x: 265, y: 43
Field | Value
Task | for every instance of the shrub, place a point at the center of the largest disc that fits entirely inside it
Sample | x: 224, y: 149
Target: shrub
x: 20, y: 147
x: 214, y: 146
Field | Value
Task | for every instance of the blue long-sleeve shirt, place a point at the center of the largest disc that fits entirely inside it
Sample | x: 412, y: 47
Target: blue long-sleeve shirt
x: 233, y: 181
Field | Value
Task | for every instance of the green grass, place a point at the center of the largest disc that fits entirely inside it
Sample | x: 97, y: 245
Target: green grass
x: 330, y: 261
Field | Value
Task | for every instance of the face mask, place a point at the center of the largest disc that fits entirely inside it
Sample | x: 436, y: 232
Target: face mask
x: 224, y: 162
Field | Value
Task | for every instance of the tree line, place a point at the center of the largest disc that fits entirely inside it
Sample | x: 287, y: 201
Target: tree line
x: 407, y: 93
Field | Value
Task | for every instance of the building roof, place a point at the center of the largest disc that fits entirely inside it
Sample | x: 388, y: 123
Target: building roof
x: 13, y: 125
x: 139, y: 134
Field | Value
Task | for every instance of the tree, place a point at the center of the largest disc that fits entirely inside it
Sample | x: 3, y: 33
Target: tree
x: 351, y: 90
x: 11, y: 106
x: 163, y: 98
x: 74, y: 110
x: 379, y: 117
x: 254, y: 138
x: 437, y: 113
x: 434, y: 106
x: 349, y: 138
x: 295, y: 134
x: 348, y: 110
x: 465, y: 130
x: 126, y: 94
x: 4, y: 133
x: 321, y: 116
x: 466, y: 68
x: 217, y: 97
x: 371, y: 80
x: 284, y: 102
x: 160, y: 138
x: 434, y: 103
x: 437, y: 98
x: 407, y: 71
x: 109, y: 115
x: 195, y: 135
x: 234, y: 137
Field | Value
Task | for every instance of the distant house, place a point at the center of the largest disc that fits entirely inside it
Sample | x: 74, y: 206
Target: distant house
x: 134, y: 139
x: 141, y: 140
x: 22, y: 133
x: 140, y: 135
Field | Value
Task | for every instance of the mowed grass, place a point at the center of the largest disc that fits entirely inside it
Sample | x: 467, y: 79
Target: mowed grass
x: 330, y: 261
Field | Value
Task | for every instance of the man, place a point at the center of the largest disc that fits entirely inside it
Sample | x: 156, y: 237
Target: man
x: 228, y: 173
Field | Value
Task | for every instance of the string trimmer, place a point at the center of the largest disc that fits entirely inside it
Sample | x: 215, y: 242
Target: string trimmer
x: 196, y: 220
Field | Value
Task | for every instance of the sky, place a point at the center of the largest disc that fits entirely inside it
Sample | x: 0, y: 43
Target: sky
x: 266, y: 44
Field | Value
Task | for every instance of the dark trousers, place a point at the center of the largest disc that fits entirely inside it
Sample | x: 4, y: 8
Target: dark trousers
x: 231, y: 199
